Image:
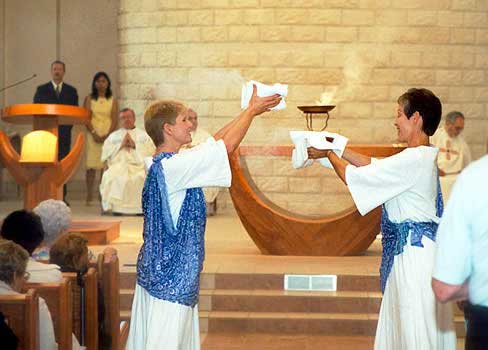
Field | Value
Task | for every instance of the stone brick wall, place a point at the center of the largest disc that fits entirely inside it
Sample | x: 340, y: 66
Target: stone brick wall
x: 365, y: 53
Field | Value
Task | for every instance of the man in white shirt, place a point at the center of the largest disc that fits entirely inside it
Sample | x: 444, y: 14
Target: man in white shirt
x: 461, y: 268
x: 124, y: 152
x: 198, y: 136
x: 454, y: 152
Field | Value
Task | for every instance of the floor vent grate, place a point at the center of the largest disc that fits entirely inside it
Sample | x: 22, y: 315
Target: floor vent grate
x: 324, y: 283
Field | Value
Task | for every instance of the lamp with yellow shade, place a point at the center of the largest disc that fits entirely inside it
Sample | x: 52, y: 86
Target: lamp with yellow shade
x: 39, y: 148
x: 37, y: 168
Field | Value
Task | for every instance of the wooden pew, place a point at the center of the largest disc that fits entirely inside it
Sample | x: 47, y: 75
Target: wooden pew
x: 109, y: 279
x: 22, y: 314
x: 58, y: 297
x: 91, y: 307
x: 124, y: 334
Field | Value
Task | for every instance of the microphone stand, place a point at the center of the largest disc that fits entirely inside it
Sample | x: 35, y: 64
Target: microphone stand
x: 18, y: 83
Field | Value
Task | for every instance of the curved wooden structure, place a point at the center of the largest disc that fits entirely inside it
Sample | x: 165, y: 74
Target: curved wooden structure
x: 41, y: 180
x: 279, y: 232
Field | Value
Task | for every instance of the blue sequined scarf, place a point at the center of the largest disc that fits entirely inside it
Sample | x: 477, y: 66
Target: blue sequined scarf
x: 171, y: 259
x: 395, y: 236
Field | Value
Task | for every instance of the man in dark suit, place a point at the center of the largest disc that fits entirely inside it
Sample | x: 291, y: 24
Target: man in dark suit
x: 58, y: 92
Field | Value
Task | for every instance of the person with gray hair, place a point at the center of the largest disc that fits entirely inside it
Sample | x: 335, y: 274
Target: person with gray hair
x: 56, y: 219
x: 13, y: 275
x: 454, y: 153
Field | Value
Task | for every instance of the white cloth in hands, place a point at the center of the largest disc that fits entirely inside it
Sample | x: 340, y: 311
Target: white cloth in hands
x: 317, y: 139
x: 263, y: 91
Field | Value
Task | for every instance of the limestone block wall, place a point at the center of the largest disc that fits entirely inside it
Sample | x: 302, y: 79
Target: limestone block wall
x: 362, y: 53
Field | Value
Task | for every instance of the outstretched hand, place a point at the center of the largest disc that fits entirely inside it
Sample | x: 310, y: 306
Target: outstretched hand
x: 314, y: 153
x: 259, y: 105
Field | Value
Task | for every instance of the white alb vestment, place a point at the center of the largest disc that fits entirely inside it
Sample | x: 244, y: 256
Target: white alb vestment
x: 453, y: 157
x: 406, y: 183
x: 160, y: 324
x: 122, y: 182
x: 198, y: 137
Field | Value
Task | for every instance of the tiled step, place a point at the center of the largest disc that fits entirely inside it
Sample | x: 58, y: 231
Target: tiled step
x: 279, y: 301
x: 264, y: 281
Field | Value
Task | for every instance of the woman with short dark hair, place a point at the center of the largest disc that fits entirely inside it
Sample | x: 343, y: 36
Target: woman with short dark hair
x: 406, y: 185
x: 25, y: 228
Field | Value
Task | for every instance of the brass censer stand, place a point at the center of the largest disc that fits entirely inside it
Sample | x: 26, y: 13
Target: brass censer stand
x: 311, y: 110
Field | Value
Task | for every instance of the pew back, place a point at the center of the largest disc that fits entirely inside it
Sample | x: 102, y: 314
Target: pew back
x: 90, y: 310
x: 21, y: 311
x: 58, y: 297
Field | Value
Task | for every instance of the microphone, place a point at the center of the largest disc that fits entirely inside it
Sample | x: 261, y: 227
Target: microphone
x: 18, y: 83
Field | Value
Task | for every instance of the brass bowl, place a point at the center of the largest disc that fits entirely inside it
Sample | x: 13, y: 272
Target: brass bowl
x: 316, y: 109
x: 311, y: 110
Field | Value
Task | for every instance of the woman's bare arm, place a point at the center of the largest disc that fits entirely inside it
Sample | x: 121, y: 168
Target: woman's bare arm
x: 356, y: 158
x: 233, y: 133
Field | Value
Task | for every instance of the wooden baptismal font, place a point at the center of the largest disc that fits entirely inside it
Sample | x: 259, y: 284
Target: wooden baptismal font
x: 37, y: 168
x: 276, y: 231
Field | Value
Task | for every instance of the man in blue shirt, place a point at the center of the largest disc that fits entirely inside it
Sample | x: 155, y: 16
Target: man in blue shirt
x: 461, y: 269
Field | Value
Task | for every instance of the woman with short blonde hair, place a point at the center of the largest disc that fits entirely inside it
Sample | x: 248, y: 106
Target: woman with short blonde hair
x: 164, y: 310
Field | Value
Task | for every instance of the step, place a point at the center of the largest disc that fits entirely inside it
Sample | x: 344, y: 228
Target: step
x: 337, y: 324
x: 239, y: 341
x: 289, y: 323
x: 364, y: 283
x: 279, y: 301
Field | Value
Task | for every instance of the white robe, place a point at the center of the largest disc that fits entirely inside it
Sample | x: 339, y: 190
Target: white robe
x: 160, y: 324
x: 198, y: 137
x: 122, y: 183
x: 453, y: 157
x: 410, y: 317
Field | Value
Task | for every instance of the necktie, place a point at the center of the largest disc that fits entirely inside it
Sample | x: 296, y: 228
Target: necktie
x: 58, y: 90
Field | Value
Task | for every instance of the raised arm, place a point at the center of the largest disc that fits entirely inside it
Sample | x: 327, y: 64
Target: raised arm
x: 233, y: 133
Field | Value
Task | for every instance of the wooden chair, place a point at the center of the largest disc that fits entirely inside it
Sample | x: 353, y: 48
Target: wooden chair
x: 90, y: 310
x: 58, y: 297
x: 109, y: 279
x: 22, y: 314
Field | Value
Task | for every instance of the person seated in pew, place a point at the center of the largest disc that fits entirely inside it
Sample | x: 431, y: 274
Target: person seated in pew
x: 25, y: 228
x: 123, y: 153
x: 56, y: 219
x: 71, y: 253
x: 13, y: 274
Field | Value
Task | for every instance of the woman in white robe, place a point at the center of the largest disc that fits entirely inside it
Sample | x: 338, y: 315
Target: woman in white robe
x: 165, y: 310
x: 407, y: 186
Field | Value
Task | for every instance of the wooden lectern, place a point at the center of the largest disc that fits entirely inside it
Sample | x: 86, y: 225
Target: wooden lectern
x: 38, y: 170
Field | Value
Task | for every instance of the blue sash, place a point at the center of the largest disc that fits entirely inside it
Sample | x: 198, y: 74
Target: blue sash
x: 171, y: 259
x: 395, y: 236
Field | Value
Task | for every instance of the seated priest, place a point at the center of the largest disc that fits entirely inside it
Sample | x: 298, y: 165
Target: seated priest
x: 123, y: 153
x: 454, y: 152
x: 198, y: 136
